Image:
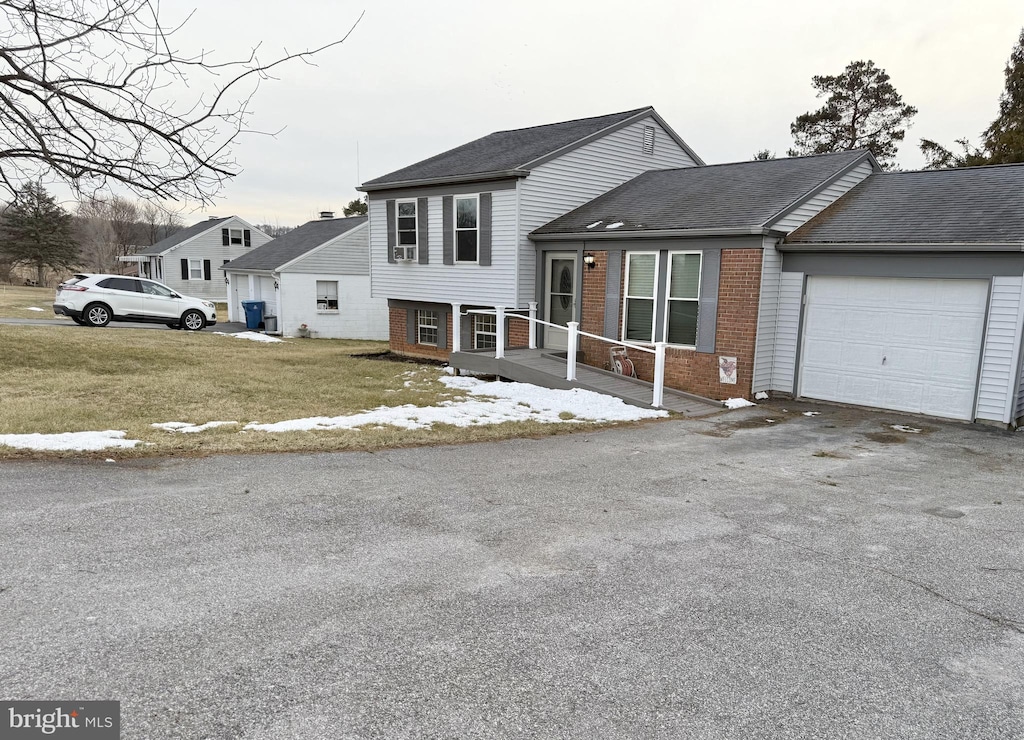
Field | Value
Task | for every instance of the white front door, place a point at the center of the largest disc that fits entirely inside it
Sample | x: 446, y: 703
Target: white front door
x: 559, y: 297
x: 908, y: 344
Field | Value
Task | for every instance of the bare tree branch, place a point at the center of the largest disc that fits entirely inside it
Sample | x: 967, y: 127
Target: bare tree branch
x: 93, y: 92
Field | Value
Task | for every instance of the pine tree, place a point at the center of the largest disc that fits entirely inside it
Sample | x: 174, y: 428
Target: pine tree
x: 862, y: 111
x: 35, y: 230
x: 1004, y: 139
x: 355, y: 207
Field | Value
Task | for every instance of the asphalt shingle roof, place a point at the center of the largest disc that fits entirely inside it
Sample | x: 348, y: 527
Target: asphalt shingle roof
x: 721, y: 196
x: 969, y: 205
x: 294, y: 244
x: 503, y: 150
x: 178, y: 237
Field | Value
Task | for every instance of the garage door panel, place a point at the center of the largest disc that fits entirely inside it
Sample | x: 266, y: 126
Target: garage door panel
x: 927, y: 331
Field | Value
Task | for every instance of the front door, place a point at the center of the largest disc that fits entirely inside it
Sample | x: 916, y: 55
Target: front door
x: 559, y: 297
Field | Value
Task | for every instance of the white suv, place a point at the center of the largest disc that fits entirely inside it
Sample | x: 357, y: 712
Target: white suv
x: 96, y: 300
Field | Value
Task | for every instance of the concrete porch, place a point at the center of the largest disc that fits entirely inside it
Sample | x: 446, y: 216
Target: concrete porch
x: 545, y: 368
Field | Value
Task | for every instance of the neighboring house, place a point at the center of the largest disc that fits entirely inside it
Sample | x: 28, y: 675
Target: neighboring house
x: 189, y: 260
x: 316, y: 276
x: 689, y: 257
x: 908, y: 294
x: 450, y: 233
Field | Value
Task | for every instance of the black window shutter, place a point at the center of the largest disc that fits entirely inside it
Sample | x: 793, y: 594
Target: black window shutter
x: 225, y: 239
x: 447, y: 230
x: 442, y: 330
x: 410, y: 324
x: 484, y: 249
x: 392, y: 226
x: 707, y: 309
x: 184, y: 269
x: 247, y: 237
x: 422, y: 240
x: 206, y: 270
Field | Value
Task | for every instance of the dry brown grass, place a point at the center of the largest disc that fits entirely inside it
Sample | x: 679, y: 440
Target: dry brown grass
x: 16, y: 299
x: 56, y: 379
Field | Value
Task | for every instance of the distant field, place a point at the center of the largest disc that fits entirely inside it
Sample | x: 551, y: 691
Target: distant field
x: 70, y: 379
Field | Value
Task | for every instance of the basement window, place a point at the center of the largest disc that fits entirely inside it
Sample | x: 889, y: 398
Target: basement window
x: 485, y: 331
x: 426, y: 327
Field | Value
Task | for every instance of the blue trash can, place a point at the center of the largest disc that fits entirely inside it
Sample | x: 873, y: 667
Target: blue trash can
x: 253, y: 314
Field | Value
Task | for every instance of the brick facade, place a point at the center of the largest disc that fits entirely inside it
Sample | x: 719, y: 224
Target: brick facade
x: 685, y: 369
x: 399, y: 339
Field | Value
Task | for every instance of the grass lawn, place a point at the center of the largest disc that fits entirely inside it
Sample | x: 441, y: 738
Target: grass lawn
x: 16, y: 299
x: 56, y: 379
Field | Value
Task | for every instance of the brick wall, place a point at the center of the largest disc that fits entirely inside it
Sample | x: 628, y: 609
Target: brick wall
x: 399, y: 339
x: 688, y: 370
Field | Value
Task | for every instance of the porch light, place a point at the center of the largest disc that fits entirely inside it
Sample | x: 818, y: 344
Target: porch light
x: 590, y: 261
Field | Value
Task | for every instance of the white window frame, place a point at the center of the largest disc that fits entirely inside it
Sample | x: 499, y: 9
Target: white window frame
x: 192, y: 269
x: 422, y: 314
x: 416, y: 228
x: 240, y: 239
x: 653, y: 298
x: 456, y: 229
x: 491, y: 331
x: 324, y: 306
x: 668, y: 295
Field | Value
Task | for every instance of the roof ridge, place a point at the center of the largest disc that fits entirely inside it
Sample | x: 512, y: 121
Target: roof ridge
x: 926, y: 171
x: 574, y: 120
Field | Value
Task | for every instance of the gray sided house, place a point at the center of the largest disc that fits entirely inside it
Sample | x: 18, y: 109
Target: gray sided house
x: 189, y: 261
x: 450, y: 233
x: 908, y: 294
x: 314, y: 279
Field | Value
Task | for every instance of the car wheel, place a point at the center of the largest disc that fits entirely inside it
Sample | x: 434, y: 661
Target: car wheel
x: 96, y: 314
x: 193, y: 320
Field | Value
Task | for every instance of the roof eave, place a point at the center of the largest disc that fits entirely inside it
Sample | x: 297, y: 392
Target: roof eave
x: 450, y: 180
x: 655, y: 234
x: 900, y: 246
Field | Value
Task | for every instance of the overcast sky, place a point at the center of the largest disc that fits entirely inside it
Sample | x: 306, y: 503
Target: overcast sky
x: 416, y: 78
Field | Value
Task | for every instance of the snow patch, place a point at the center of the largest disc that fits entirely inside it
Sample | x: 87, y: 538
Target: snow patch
x: 83, y: 441
x: 812, y: 413
x: 737, y: 403
x: 252, y: 336
x: 186, y: 428
x: 493, y: 403
x: 34, y: 308
x: 595, y: 224
x: 904, y: 428
x: 615, y: 225
x: 761, y: 396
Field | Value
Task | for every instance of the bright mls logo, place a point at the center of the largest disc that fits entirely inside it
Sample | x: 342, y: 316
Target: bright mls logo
x: 81, y: 720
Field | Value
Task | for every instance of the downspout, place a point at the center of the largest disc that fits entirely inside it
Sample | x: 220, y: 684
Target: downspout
x: 519, y: 237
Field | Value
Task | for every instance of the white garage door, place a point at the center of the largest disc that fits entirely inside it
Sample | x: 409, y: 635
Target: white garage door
x: 903, y: 344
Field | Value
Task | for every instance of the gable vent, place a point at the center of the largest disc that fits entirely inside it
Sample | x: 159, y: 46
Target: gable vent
x: 648, y: 139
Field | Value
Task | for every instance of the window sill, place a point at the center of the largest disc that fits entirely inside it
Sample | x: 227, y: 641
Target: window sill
x: 328, y: 311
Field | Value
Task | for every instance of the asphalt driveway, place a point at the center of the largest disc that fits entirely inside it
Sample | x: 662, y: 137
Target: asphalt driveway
x: 819, y: 576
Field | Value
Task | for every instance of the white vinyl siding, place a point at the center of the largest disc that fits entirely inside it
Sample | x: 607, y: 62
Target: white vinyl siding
x: 1020, y: 362
x: 207, y: 246
x: 466, y: 283
x: 1002, y: 344
x: 567, y: 182
x: 787, y: 332
x: 767, y: 316
x: 348, y: 254
x: 819, y: 202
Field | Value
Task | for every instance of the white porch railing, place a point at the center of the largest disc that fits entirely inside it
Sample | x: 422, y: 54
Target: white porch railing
x: 502, y: 315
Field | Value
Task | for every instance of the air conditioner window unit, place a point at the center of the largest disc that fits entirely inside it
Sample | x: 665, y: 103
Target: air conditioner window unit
x: 404, y: 254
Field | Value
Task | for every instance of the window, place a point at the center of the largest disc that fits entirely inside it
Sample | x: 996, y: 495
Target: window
x: 485, y: 332
x: 236, y: 236
x: 326, y: 295
x: 682, y: 298
x: 155, y: 289
x: 406, y: 228
x: 641, y: 286
x: 467, y: 235
x: 126, y: 284
x: 195, y: 269
x: 426, y: 327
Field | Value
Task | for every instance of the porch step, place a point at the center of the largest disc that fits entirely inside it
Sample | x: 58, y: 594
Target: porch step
x: 539, y: 367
